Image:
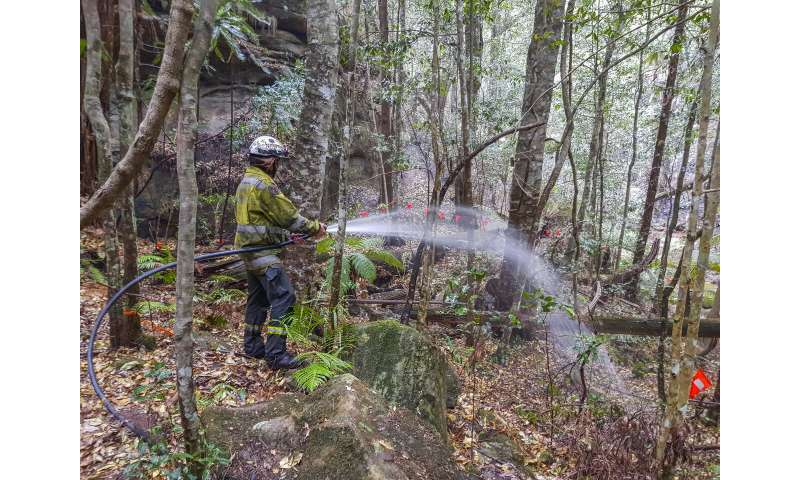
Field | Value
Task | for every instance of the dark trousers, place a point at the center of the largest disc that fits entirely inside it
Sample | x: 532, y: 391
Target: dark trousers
x: 274, y: 290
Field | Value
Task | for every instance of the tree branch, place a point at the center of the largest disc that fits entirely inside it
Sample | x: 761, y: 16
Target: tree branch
x: 167, y: 85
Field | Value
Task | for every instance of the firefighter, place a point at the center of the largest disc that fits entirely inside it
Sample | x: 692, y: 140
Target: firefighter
x: 265, y: 216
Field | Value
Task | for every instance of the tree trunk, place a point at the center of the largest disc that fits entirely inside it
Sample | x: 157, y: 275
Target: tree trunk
x: 676, y: 205
x: 385, y: 117
x: 306, y: 171
x: 637, y: 104
x: 564, y: 146
x: 187, y: 219
x: 692, y: 278
x: 128, y: 122
x: 463, y: 190
x: 435, y: 120
x: 658, y: 154
x: 336, y: 283
x: 330, y: 189
x: 347, y: 121
x: 103, y: 141
x: 529, y: 156
x: 167, y: 85
x: 318, y: 98
x: 399, y: 84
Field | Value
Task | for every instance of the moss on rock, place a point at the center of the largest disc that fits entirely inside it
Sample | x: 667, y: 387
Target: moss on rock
x: 403, y: 366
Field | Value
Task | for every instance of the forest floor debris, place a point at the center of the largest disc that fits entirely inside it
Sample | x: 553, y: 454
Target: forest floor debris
x: 502, y: 427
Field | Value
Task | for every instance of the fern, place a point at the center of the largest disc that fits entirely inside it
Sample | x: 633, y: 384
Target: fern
x: 220, y: 296
x: 346, y: 283
x: 342, y: 338
x: 324, y: 246
x: 322, y: 367
x: 386, y: 257
x: 149, y: 262
x: 94, y: 273
x: 301, y: 323
x: 220, y: 279
x: 363, y: 266
x: 372, y: 243
x: 147, y: 307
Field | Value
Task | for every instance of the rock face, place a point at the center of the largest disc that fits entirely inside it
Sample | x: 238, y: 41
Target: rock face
x: 342, y: 431
x: 404, y: 367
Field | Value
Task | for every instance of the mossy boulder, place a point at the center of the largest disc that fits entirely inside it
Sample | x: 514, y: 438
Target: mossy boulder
x: 343, y: 431
x: 403, y: 366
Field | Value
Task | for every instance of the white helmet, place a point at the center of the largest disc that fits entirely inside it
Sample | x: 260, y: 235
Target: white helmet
x: 266, y: 146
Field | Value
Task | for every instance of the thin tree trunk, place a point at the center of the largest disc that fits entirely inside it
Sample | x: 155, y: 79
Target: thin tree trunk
x: 463, y: 187
x: 399, y: 84
x: 128, y: 116
x: 529, y: 156
x: 343, y: 157
x: 167, y: 85
x: 676, y: 205
x: 385, y: 117
x: 710, y: 210
x: 658, y: 155
x: 435, y: 120
x: 690, y: 279
x: 637, y: 104
x: 187, y: 219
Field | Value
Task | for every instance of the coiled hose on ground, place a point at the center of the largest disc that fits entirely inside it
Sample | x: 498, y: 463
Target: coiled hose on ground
x: 138, y: 431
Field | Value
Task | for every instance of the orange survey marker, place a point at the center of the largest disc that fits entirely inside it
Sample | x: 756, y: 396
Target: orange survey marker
x: 699, y: 383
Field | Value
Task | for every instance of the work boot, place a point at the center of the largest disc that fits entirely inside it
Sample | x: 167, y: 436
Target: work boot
x: 285, y: 361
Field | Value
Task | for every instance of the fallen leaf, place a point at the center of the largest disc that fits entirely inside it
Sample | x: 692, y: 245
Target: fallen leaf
x: 290, y: 460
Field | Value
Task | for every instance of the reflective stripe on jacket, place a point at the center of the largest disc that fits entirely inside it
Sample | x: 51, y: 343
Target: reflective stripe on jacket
x: 264, y: 216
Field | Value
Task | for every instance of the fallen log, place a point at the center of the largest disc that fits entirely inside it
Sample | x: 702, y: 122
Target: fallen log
x: 651, y: 327
x: 709, y: 327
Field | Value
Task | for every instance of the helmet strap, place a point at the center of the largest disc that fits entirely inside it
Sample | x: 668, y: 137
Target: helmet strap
x: 261, y: 162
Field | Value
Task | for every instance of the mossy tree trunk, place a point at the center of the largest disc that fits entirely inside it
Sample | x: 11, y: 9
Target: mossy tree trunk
x: 306, y: 171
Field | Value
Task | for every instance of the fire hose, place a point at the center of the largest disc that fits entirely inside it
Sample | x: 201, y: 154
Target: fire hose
x: 138, y: 431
